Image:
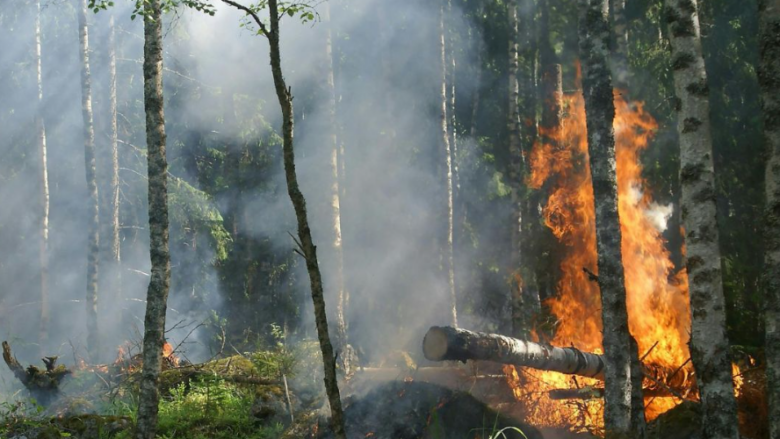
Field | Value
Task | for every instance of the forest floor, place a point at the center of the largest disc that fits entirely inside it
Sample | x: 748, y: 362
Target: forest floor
x: 245, y: 397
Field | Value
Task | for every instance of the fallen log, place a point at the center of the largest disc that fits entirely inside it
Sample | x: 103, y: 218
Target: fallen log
x: 443, y: 343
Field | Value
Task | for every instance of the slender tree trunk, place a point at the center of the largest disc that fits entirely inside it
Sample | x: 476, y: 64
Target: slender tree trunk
x: 448, y: 256
x: 709, y: 342
x: 304, y: 232
x: 769, y: 79
x: 519, y: 325
x: 159, y: 283
x: 619, y: 59
x: 529, y: 233
x: 335, y: 201
x: 40, y: 127
x: 306, y: 243
x: 116, y: 248
x: 93, y: 248
x: 600, y: 111
x: 551, y: 76
x: 453, y: 131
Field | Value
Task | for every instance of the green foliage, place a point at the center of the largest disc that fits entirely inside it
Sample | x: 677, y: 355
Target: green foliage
x: 194, y: 209
x: 278, y: 361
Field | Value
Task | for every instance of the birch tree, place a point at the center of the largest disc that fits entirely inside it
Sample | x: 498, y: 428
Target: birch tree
x: 335, y: 193
x: 159, y: 283
x: 447, y: 245
x: 40, y: 129
x: 600, y: 113
x: 709, y: 342
x: 116, y: 255
x: 93, y: 247
x: 769, y: 80
x: 519, y: 323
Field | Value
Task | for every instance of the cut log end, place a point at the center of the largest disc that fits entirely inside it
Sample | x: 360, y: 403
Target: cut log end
x: 435, y: 345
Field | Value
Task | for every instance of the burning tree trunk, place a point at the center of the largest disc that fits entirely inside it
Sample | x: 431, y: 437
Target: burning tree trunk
x: 94, y: 203
x: 44, y: 189
x: 769, y: 72
x: 159, y: 284
x: 600, y: 114
x: 306, y: 243
x: 709, y: 342
x: 445, y: 343
x: 446, y: 244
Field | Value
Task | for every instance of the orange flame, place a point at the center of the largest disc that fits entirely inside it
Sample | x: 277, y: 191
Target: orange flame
x: 657, y: 296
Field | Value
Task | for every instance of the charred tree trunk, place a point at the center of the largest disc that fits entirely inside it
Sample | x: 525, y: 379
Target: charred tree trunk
x: 43, y: 334
x: 769, y: 79
x: 709, y: 341
x: 335, y: 193
x: 446, y: 246
x: 159, y: 284
x: 93, y: 248
x: 445, y: 343
x: 116, y: 247
x: 600, y: 113
x: 619, y: 59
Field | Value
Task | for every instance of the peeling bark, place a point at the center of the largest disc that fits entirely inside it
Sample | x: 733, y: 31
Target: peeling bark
x: 159, y: 283
x: 709, y: 342
x: 600, y: 112
x: 93, y: 247
x: 769, y: 80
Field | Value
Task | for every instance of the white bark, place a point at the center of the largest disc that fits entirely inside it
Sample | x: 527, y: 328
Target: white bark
x: 709, y: 342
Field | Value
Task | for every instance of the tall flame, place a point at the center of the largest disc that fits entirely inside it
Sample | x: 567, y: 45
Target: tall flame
x: 657, y: 296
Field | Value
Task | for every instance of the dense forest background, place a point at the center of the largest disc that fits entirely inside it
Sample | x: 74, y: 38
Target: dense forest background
x: 233, y: 263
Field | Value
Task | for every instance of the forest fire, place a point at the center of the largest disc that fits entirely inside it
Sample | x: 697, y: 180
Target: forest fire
x: 657, y: 301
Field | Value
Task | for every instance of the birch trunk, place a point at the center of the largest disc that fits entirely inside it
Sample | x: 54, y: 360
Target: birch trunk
x: 709, y: 342
x: 448, y: 256
x: 769, y: 79
x: 600, y: 112
x: 453, y: 131
x: 93, y: 248
x: 159, y: 283
x: 116, y: 249
x: 519, y: 324
x: 445, y: 343
x: 335, y: 193
x: 40, y: 127
x: 619, y: 59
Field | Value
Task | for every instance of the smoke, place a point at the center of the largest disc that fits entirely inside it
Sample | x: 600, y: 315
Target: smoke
x: 387, y: 85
